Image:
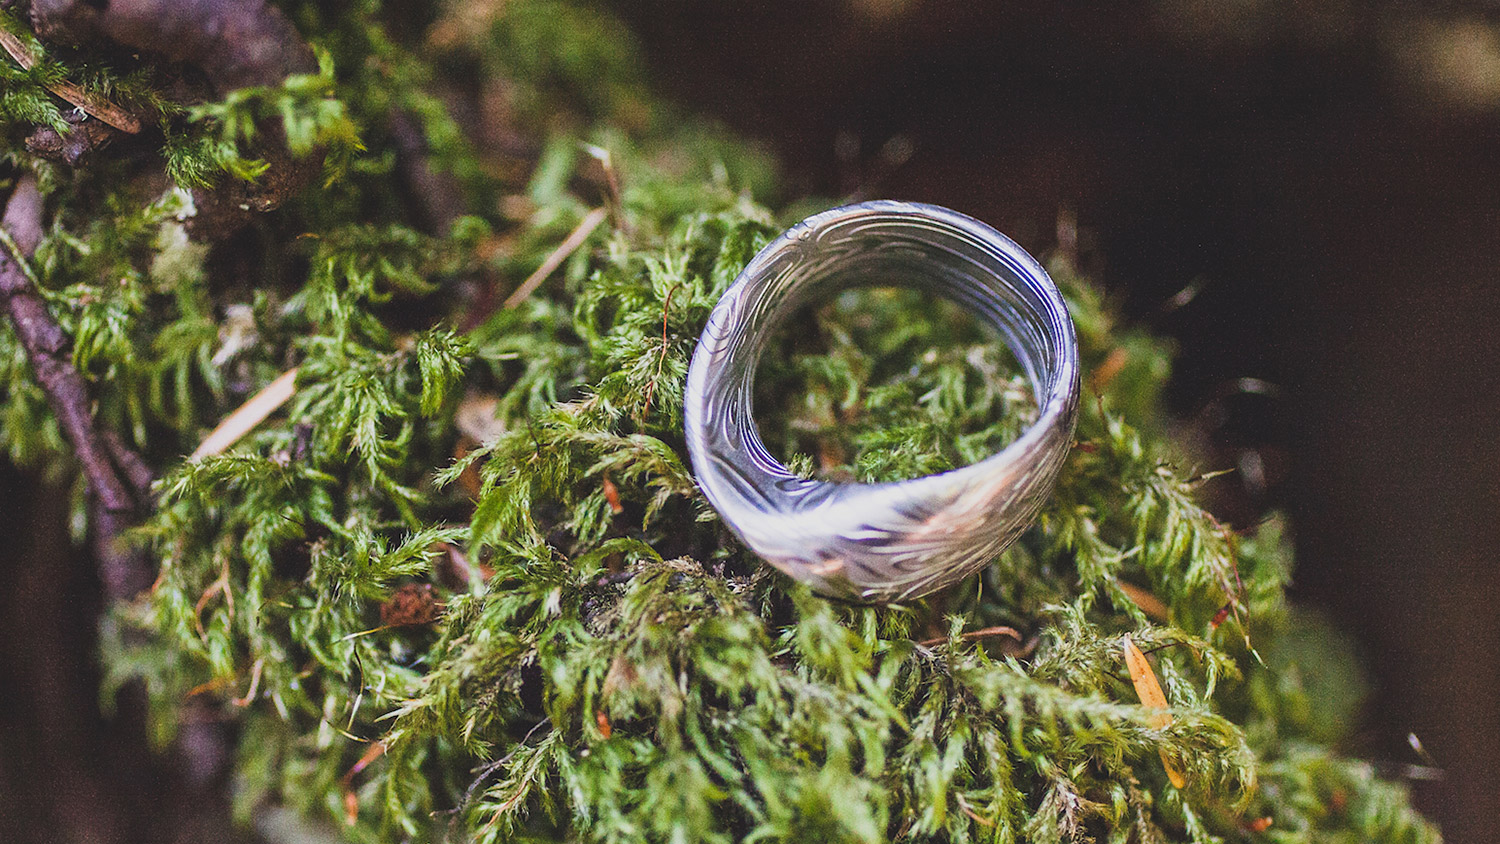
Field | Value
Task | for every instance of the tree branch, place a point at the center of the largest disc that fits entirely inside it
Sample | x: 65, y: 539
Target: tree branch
x: 50, y: 353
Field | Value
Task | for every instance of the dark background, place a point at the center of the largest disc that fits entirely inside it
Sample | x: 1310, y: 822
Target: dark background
x: 1327, y: 172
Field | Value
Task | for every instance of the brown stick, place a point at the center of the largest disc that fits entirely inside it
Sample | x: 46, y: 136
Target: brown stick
x: 574, y: 240
x: 95, y: 106
x: 50, y: 353
x: 49, y: 350
x: 973, y: 635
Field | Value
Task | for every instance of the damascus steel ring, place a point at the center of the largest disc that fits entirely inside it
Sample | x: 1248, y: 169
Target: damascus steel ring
x: 891, y: 541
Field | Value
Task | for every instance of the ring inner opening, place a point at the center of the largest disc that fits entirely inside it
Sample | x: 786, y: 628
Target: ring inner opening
x: 876, y: 384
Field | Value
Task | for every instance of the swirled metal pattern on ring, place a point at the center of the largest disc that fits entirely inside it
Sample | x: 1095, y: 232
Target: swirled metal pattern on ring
x: 890, y: 541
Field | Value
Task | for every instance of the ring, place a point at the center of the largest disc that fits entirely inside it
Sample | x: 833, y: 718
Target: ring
x: 890, y: 541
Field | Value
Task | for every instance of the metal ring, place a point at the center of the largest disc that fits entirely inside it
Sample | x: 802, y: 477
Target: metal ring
x: 891, y: 541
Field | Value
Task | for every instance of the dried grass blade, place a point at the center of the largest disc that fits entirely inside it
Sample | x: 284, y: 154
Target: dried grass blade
x: 249, y: 414
x: 574, y: 240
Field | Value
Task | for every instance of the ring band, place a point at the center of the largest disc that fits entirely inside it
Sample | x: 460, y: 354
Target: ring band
x: 890, y: 541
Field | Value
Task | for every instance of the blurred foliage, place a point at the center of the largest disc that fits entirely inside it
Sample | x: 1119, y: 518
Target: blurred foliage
x: 603, y: 662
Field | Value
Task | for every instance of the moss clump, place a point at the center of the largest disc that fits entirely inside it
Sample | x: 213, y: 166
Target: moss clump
x: 602, y: 661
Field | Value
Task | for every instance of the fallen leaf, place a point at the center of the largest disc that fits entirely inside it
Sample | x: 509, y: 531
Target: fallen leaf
x: 1152, y: 697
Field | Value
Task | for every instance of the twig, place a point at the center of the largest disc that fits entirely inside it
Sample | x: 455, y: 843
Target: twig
x: 611, y: 181
x: 964, y: 806
x: 92, y: 105
x: 255, y: 672
x: 249, y: 414
x: 661, y: 359
x: 130, y: 464
x: 488, y: 769
x: 575, y: 239
x: 50, y: 353
x: 973, y: 635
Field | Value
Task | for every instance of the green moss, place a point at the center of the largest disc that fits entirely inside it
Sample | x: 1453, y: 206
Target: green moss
x: 607, y: 663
